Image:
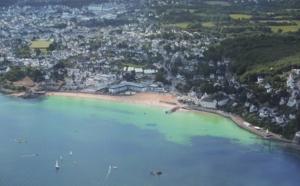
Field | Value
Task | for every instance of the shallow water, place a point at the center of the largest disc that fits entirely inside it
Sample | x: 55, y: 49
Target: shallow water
x: 190, y: 148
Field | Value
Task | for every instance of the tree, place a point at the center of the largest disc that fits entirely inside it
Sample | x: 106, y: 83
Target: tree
x: 52, y: 46
x: 36, y: 75
x: 59, y: 65
x: 207, y: 87
x: 14, y: 74
x: 159, y: 77
x: 37, y: 51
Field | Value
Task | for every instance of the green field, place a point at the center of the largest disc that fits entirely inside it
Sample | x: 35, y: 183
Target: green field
x: 208, y: 24
x: 240, y: 16
x: 287, y: 28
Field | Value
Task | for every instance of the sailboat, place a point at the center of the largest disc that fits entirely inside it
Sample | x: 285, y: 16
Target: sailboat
x: 56, y: 165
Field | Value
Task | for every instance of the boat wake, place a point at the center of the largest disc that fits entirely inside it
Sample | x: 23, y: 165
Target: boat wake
x: 28, y: 156
x: 108, y: 172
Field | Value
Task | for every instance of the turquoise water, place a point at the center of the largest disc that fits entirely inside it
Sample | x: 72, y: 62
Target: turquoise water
x: 190, y: 148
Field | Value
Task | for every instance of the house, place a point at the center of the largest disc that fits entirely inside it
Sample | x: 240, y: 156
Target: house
x: 223, y: 100
x: 155, y: 88
x: 3, y: 70
x: 291, y: 102
x: 290, y: 82
x: 264, y: 113
x: 247, y: 104
x: 296, y: 71
x: 292, y: 116
x: 260, y: 80
x: 268, y: 87
x: 279, y: 119
x: 249, y: 95
x: 282, y: 101
x: 252, y: 108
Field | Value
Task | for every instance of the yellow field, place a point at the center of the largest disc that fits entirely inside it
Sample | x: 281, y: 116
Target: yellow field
x: 208, y: 24
x: 40, y: 44
x: 180, y: 25
x: 289, y: 28
x: 240, y: 16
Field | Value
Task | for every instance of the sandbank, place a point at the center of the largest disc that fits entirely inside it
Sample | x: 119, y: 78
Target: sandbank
x: 145, y: 98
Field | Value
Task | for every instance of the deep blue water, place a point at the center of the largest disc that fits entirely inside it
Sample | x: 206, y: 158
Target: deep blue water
x: 189, y: 148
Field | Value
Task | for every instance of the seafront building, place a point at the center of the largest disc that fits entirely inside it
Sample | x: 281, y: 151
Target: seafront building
x: 127, y: 86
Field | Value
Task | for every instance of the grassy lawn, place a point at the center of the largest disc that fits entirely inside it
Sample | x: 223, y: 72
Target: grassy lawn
x: 208, y: 24
x: 288, y: 28
x: 240, y: 16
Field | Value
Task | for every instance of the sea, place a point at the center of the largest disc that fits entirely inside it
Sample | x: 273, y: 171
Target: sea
x: 123, y: 144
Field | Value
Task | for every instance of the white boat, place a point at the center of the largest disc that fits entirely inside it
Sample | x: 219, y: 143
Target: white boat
x: 56, y: 165
x: 61, y: 157
x: 71, y: 153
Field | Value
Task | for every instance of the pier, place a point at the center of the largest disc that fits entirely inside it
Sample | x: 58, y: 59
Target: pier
x: 172, y: 110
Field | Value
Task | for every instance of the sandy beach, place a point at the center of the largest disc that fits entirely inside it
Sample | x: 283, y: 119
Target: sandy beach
x: 146, y: 98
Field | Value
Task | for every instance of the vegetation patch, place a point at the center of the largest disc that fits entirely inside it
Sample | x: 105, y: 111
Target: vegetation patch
x: 247, y: 52
x: 240, y: 16
x: 287, y: 28
x: 222, y: 3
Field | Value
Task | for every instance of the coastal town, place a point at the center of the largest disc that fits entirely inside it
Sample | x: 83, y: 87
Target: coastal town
x: 118, y: 48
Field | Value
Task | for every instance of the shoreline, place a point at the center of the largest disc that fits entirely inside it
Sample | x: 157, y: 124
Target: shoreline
x: 167, y: 101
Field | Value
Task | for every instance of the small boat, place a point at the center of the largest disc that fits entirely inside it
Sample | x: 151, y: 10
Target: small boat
x: 71, y: 153
x: 60, y: 157
x: 114, y: 167
x: 56, y: 165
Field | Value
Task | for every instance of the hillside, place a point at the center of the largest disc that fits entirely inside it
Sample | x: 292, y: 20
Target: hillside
x: 252, y: 55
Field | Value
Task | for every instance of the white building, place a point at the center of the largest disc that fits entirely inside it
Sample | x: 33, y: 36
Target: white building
x: 124, y: 86
x: 206, y: 103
